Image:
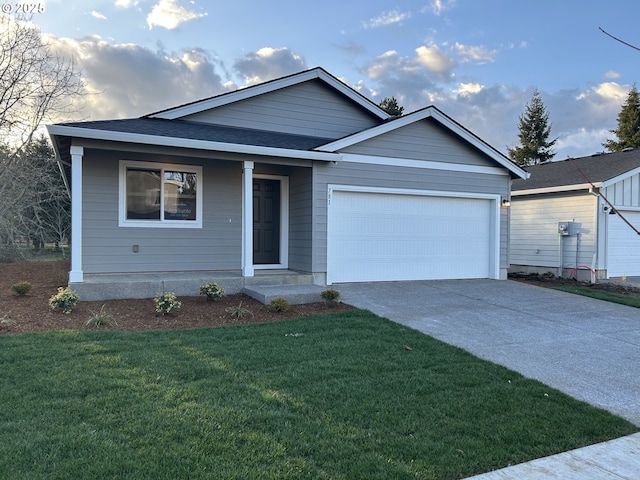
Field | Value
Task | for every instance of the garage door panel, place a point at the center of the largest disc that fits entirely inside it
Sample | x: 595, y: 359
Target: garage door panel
x: 387, y: 237
x: 623, y: 245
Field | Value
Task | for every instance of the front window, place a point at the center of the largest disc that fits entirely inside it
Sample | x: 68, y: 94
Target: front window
x: 159, y: 195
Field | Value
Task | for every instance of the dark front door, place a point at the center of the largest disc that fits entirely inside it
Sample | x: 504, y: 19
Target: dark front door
x: 266, y: 221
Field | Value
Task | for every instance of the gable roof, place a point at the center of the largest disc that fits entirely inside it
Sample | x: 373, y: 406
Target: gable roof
x: 167, y: 127
x: 271, y: 86
x: 600, y: 169
x: 440, y: 117
x: 180, y: 129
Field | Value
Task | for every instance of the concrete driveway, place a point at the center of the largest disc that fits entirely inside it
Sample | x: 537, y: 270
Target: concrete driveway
x: 587, y: 348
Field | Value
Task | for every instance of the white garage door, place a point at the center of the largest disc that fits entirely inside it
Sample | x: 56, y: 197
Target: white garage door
x: 391, y: 236
x: 623, y: 245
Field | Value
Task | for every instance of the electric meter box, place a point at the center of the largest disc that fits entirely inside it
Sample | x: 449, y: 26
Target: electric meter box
x: 565, y: 229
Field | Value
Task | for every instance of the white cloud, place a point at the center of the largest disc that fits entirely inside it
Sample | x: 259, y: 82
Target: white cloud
x: 126, y: 80
x: 169, y: 14
x: 611, y: 74
x: 434, y: 59
x: 477, y: 54
x: 466, y: 89
x: 581, y: 142
x: 98, y: 15
x: 126, y: 3
x: 268, y: 63
x: 437, y: 7
x: 607, y: 90
x: 391, y: 17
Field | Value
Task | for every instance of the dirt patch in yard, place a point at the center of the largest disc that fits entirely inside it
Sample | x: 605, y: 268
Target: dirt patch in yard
x: 550, y: 280
x: 31, y: 312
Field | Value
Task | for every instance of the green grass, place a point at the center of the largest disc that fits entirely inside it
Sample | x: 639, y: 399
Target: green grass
x: 630, y: 300
x: 342, y: 396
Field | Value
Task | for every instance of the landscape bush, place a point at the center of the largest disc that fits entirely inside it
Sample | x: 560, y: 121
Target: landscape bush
x: 66, y: 299
x: 330, y: 295
x: 21, y: 288
x: 280, y: 304
x: 212, y: 291
x: 166, y: 303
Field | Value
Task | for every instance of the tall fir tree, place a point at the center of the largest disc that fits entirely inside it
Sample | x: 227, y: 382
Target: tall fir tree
x: 390, y: 105
x: 534, y: 130
x: 628, y: 131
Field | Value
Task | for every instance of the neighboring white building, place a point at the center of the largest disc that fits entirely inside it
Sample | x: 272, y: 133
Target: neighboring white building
x: 578, y: 217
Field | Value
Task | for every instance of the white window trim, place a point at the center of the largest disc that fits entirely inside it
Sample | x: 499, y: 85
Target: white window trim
x: 122, y: 196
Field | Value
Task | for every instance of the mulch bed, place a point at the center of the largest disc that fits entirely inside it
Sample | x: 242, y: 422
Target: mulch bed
x: 31, y: 312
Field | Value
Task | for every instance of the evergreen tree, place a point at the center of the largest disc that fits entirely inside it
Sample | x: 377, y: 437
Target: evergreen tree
x: 628, y: 131
x: 534, y: 130
x: 390, y: 105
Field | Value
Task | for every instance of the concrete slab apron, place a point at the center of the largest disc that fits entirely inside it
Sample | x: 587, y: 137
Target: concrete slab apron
x: 587, y: 348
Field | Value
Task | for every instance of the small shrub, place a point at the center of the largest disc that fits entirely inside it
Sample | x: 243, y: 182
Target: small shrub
x: 280, y: 304
x: 21, y: 288
x: 212, y: 291
x: 99, y: 318
x: 66, y: 299
x: 5, y: 321
x: 330, y: 295
x: 238, y: 311
x: 166, y: 303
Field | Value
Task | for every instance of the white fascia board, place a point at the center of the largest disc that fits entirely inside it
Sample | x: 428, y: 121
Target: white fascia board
x: 557, y: 189
x: 423, y: 164
x: 254, y: 91
x: 421, y: 115
x: 156, y: 140
x: 619, y: 178
x: 412, y: 191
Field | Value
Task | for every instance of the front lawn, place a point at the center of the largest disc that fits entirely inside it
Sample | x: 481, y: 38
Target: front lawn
x: 629, y: 299
x: 342, y: 396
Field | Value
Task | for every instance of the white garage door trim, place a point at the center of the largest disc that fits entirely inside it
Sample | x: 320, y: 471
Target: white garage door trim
x: 493, y: 268
x: 623, y: 254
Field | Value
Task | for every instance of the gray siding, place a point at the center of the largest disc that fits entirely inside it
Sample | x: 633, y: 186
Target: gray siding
x: 534, y: 230
x: 346, y: 173
x: 107, y: 248
x: 300, y: 220
x: 309, y: 108
x: 424, y: 140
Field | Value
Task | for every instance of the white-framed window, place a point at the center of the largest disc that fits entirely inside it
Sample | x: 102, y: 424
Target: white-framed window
x: 160, y: 195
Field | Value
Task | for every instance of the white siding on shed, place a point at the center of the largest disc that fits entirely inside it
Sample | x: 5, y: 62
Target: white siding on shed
x: 534, y: 239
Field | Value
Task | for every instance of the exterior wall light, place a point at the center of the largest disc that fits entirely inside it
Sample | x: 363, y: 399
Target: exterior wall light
x: 506, y: 202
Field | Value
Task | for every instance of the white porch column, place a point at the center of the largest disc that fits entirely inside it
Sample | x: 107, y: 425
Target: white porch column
x: 247, y: 220
x: 76, y: 275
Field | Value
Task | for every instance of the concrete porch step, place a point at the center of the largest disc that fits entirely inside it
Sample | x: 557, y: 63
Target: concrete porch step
x: 278, y: 277
x: 294, y: 294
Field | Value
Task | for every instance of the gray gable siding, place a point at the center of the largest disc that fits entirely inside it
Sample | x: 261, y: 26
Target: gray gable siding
x: 424, y: 140
x: 309, y: 108
x: 108, y: 248
x: 347, y: 173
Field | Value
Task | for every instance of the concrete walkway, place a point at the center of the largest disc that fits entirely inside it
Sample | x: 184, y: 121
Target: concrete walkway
x: 586, y: 348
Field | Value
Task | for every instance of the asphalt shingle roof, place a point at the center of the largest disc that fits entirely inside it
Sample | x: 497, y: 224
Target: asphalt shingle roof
x: 207, y: 132
x: 597, y: 168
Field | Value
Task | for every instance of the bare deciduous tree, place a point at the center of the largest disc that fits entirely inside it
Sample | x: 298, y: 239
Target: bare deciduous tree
x: 36, y: 85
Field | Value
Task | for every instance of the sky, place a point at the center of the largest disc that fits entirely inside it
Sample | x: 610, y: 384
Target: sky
x: 478, y: 61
